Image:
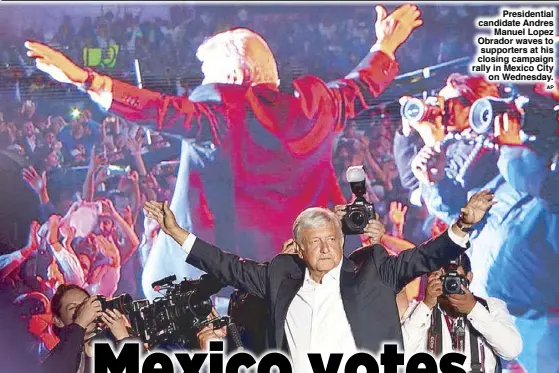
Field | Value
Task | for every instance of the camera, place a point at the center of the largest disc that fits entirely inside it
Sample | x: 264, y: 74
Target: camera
x: 452, y: 280
x: 484, y: 111
x: 416, y: 110
x: 538, y: 116
x: 360, y: 211
x: 174, y: 318
x: 123, y: 303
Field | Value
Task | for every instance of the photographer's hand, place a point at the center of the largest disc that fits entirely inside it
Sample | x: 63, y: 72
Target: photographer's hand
x: 463, y: 303
x: 116, y: 322
x: 434, y: 289
x: 289, y: 247
x: 88, y: 312
x: 340, y: 211
x: 374, y: 231
x: 507, y: 130
x: 208, y: 333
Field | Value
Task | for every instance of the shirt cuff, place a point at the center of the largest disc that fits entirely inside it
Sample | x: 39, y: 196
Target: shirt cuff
x: 460, y: 241
x: 104, y: 99
x: 421, y: 316
x: 479, y: 314
x: 378, y: 48
x: 188, y: 243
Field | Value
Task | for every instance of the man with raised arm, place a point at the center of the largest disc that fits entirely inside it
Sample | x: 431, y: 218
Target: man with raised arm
x: 318, y: 300
x: 277, y: 146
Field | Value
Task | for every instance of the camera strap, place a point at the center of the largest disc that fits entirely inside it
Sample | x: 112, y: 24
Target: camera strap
x: 457, y: 334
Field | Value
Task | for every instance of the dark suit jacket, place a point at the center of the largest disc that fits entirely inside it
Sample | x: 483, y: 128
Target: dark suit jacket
x: 279, y: 145
x: 370, y: 280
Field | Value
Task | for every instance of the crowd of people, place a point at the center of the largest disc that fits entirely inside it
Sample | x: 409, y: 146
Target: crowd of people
x: 327, y: 43
x: 93, y: 171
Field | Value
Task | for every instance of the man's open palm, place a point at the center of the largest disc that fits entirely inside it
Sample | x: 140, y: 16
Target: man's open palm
x: 55, y: 63
x: 476, y: 207
x: 161, y: 212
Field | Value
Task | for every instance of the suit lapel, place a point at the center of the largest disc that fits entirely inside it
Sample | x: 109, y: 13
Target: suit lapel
x: 349, y: 296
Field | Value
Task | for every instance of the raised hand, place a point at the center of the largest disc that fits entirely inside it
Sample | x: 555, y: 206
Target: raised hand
x: 398, y: 213
x: 394, y: 29
x: 55, y: 63
x: 35, y: 181
x: 477, y: 207
x: 374, y: 231
x: 97, y: 160
x: 428, y: 165
x: 161, y: 212
x: 33, y: 235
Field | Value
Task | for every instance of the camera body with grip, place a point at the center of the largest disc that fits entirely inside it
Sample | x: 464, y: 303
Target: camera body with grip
x: 360, y: 211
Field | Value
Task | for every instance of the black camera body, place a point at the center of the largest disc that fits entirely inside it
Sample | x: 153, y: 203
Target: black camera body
x: 452, y: 280
x: 452, y: 283
x: 174, y: 318
x: 360, y: 211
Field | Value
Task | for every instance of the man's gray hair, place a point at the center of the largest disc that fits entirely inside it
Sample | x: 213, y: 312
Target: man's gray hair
x: 314, y: 217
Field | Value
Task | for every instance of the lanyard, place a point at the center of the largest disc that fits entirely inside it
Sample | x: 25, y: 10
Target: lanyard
x: 457, y: 332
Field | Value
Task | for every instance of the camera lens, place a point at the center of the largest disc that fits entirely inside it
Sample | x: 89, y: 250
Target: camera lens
x: 481, y: 116
x: 452, y: 286
x: 413, y: 110
x: 357, y: 218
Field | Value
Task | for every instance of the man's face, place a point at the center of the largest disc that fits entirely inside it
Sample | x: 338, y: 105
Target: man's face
x: 458, y: 111
x: 50, y: 138
x: 28, y: 129
x: 77, y: 129
x: 105, y: 225
x: 322, y: 247
x: 52, y: 160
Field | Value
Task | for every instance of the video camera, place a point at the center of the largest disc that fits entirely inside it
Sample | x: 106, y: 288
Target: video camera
x: 360, y: 211
x: 174, y: 318
x: 452, y: 280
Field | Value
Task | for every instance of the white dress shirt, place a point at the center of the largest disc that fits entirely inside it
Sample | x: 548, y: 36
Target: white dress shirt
x: 496, y: 327
x: 316, y: 321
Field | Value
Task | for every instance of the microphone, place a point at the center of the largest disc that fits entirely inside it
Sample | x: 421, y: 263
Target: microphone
x: 233, y: 333
x: 164, y: 281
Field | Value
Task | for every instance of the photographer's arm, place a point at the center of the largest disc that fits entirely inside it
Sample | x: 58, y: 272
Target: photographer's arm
x: 414, y: 329
x: 66, y: 356
x: 497, y: 328
x: 527, y: 172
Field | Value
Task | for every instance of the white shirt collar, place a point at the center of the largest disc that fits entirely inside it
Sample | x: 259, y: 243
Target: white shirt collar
x: 332, y: 276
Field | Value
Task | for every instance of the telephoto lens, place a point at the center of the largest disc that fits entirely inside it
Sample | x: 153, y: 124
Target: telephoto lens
x: 123, y: 303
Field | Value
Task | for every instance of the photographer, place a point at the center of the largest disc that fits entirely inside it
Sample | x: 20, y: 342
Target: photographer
x: 518, y: 237
x: 452, y: 320
x: 75, y: 315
